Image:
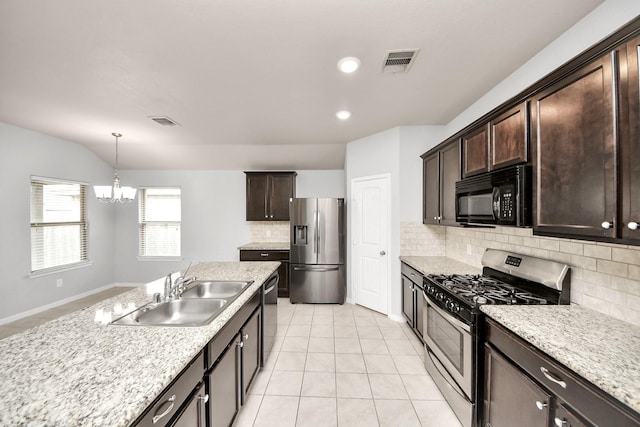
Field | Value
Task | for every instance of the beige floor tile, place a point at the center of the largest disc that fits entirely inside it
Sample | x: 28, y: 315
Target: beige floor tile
x: 320, y: 362
x: 353, y: 363
x: 298, y: 330
x: 393, y: 333
x: 418, y: 346
x: 365, y: 321
x: 319, y: 384
x: 322, y: 320
x: 321, y: 345
x: 409, y: 364
x: 397, y: 413
x: 379, y: 364
x: 301, y: 319
x: 369, y: 332
x: 304, y: 308
x: 357, y: 413
x: 421, y: 387
x: 323, y: 310
x: 387, y: 386
x: 343, y: 319
x: 277, y: 411
x: 260, y: 383
x: 345, y: 331
x: 435, y: 414
x: 353, y: 385
x: 385, y: 322
x: 247, y: 415
x: 322, y: 331
x: 271, y: 360
x: 284, y: 383
x: 401, y: 348
x: 296, y: 344
x: 317, y: 412
x: 373, y: 346
x: 290, y: 361
x: 348, y: 345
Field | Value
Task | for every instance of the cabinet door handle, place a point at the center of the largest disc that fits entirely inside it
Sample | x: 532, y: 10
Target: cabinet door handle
x: 632, y: 225
x: 158, y: 417
x: 202, y: 400
x: 245, y: 336
x: 607, y: 225
x: 552, y: 377
x: 541, y: 405
x: 559, y: 422
x: 240, y: 344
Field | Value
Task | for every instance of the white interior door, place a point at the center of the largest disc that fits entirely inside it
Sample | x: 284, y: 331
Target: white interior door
x: 370, y: 238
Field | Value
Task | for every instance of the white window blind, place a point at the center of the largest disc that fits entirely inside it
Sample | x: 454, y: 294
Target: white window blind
x: 58, y: 224
x: 159, y: 218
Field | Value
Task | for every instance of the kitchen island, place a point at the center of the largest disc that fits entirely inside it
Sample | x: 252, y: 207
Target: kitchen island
x: 74, y: 371
x: 598, y: 348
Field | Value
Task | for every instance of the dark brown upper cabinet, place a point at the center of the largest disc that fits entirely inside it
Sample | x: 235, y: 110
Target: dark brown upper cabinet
x: 441, y: 170
x: 510, y: 137
x: 574, y: 129
x: 475, y: 151
x: 268, y: 195
x: 630, y: 144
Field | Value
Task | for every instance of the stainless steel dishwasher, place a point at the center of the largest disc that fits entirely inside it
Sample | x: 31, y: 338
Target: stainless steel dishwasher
x: 269, y: 318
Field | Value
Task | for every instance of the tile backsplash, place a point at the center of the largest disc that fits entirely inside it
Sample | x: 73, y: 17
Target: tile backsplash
x: 269, y: 231
x: 604, y: 277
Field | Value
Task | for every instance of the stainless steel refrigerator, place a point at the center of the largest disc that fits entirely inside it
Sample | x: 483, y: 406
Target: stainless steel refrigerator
x: 317, y: 271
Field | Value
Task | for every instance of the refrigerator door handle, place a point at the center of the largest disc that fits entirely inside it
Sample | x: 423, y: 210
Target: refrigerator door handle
x: 316, y: 268
x: 316, y: 236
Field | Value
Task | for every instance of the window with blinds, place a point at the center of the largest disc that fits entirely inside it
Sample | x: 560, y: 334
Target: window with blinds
x: 58, y: 224
x: 159, y: 219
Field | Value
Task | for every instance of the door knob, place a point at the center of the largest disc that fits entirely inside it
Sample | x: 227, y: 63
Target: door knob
x: 383, y: 253
x: 632, y: 225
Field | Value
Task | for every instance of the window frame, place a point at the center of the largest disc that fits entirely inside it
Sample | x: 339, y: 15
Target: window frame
x: 83, y: 223
x: 142, y: 195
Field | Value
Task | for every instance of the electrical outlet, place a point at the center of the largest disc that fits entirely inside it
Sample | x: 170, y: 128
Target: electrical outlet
x: 59, y: 283
x: 468, y: 248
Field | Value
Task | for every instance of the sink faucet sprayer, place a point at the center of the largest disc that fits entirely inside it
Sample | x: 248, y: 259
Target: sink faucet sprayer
x: 173, y: 290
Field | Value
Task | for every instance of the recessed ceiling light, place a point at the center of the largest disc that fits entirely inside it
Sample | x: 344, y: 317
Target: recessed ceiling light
x: 349, y: 64
x: 343, y: 115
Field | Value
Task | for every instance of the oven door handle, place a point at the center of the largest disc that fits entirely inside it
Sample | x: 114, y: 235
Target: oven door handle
x: 445, y: 374
x: 448, y: 316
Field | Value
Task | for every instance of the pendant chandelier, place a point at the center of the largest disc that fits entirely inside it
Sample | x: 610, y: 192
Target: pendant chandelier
x: 114, y: 193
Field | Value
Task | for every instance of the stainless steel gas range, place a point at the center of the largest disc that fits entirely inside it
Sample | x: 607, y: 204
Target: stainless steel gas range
x: 453, y: 341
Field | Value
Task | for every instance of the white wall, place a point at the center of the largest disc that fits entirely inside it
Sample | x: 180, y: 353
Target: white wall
x: 597, y: 25
x: 213, y: 216
x: 26, y: 153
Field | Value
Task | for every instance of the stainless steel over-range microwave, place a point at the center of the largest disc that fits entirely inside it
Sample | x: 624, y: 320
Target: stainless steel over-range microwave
x: 501, y: 197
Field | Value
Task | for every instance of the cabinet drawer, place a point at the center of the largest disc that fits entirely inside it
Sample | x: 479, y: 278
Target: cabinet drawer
x: 167, y: 405
x: 255, y: 255
x: 221, y: 341
x: 413, y: 274
x: 589, y: 401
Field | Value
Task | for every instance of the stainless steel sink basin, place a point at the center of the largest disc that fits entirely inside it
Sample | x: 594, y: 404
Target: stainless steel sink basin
x: 215, y: 289
x: 180, y: 312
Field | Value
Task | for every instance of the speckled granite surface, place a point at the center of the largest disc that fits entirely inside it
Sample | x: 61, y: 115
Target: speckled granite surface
x: 439, y: 265
x: 266, y: 246
x: 73, y: 371
x: 603, y: 350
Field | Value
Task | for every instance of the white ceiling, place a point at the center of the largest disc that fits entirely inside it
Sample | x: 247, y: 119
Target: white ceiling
x: 254, y: 83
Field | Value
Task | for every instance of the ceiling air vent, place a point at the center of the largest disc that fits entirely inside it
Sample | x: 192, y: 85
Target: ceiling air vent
x: 164, y: 121
x: 399, y: 61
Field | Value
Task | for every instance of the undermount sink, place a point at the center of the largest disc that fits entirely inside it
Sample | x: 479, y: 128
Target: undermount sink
x: 214, y: 289
x: 179, y: 312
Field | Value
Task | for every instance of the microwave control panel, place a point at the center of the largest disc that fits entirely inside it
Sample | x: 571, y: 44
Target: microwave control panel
x: 507, y: 202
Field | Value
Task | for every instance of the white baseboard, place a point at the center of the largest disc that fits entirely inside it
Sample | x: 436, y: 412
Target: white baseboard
x: 58, y: 303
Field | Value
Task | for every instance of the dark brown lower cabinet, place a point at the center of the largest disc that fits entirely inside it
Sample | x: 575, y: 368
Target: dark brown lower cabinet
x: 250, y: 352
x: 512, y: 398
x: 194, y: 413
x: 525, y: 387
x: 223, y: 386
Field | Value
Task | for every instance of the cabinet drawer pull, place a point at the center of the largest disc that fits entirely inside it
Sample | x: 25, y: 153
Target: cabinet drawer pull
x: 552, y: 377
x: 171, y: 401
x: 263, y: 254
x: 541, y: 405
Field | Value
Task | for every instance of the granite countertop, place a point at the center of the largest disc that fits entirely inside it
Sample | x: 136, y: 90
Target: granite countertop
x: 266, y: 246
x: 599, y: 348
x: 439, y: 265
x: 72, y: 371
